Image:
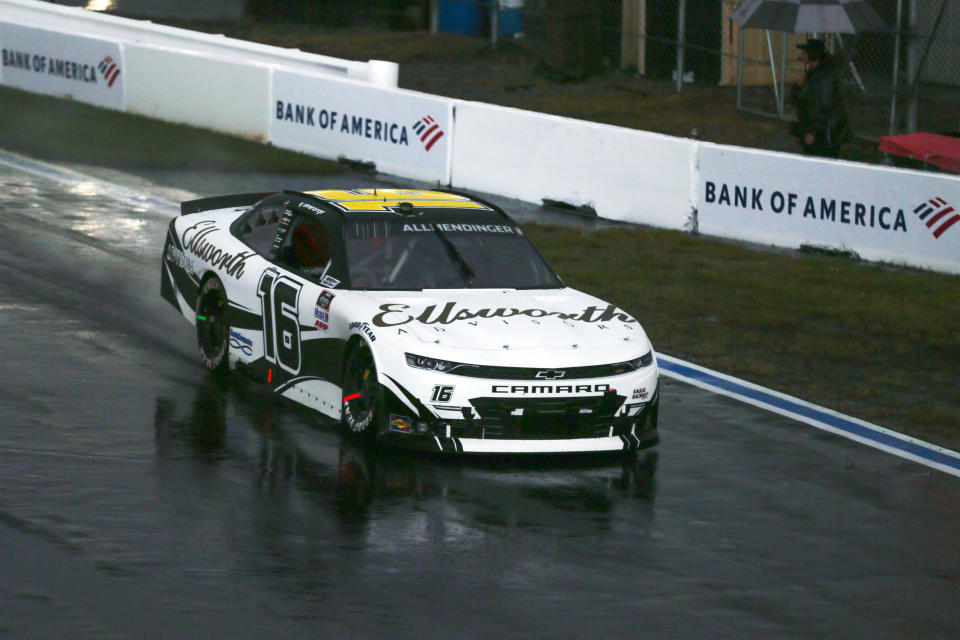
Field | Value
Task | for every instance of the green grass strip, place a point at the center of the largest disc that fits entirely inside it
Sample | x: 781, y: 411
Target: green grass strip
x: 68, y: 131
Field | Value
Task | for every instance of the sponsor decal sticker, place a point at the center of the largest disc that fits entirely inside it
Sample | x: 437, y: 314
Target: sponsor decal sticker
x: 195, y: 240
x: 401, y: 424
x: 393, y: 314
x: 180, y: 259
x: 365, y: 328
x: 640, y: 394
x: 306, y: 206
x: 323, y: 326
x: 938, y: 215
x: 241, y: 342
x: 320, y: 314
x: 329, y: 282
x: 325, y: 299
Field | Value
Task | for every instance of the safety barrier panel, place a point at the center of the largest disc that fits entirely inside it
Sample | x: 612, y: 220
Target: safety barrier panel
x: 623, y: 174
x: 404, y: 133
x: 879, y: 213
x: 91, y: 24
x: 203, y: 91
x: 62, y: 64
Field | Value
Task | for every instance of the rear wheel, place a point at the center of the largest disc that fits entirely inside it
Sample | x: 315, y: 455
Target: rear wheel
x: 362, y: 405
x: 213, y: 326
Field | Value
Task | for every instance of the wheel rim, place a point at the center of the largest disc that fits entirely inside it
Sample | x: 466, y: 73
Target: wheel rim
x: 361, y: 394
x: 211, y: 323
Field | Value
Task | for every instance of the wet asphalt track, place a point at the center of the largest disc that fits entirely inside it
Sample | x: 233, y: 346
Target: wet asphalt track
x: 141, y: 499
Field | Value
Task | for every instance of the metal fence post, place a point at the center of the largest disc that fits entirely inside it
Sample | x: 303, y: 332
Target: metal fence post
x: 896, y: 70
x: 681, y: 41
x: 434, y: 17
x: 494, y: 21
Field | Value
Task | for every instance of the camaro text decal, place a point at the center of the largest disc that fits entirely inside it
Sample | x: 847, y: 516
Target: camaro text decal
x: 394, y: 314
x: 549, y: 388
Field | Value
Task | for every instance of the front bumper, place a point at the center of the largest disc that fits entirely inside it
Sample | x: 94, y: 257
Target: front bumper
x: 524, y: 426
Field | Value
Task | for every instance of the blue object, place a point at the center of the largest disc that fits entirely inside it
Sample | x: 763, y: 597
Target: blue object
x: 461, y: 16
x: 510, y: 19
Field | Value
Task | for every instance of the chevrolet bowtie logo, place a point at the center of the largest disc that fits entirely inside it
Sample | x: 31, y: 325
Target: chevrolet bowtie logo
x: 551, y: 374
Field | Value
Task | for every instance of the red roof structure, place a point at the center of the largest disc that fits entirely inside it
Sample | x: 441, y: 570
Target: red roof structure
x: 942, y: 151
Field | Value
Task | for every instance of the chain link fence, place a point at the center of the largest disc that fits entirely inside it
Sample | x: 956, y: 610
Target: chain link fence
x: 902, y: 80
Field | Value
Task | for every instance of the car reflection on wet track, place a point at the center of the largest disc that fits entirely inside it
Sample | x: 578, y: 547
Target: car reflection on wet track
x: 349, y: 474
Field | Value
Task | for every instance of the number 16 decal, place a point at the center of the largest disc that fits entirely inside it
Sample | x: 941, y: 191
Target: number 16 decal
x: 279, y: 296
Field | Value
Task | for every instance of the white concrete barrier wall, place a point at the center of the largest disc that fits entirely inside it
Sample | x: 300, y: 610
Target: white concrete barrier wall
x: 624, y: 174
x: 787, y: 200
x: 78, y: 21
x: 62, y: 65
x: 203, y: 91
x: 402, y: 132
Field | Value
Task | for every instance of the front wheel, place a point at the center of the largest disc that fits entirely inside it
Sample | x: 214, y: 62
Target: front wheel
x: 362, y: 396
x: 213, y: 325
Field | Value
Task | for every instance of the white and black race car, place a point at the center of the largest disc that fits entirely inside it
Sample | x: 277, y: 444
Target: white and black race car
x: 423, y: 318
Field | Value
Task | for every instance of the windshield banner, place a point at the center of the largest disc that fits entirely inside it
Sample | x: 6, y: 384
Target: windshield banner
x: 62, y: 65
x: 401, y: 132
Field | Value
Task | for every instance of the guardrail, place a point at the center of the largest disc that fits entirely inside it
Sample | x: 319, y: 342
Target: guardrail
x: 303, y: 102
x: 91, y: 24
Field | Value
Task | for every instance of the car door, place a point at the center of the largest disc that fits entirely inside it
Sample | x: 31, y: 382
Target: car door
x: 303, y: 336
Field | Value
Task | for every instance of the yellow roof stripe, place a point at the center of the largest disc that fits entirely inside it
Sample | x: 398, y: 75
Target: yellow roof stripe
x: 387, y: 199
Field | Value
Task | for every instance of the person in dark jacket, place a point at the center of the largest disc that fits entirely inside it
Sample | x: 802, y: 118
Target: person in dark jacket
x: 822, y: 123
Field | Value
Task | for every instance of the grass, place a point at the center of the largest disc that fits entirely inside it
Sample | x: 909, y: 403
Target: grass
x: 67, y: 131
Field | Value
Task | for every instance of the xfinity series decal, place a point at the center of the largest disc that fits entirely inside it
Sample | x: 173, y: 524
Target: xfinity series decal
x: 393, y: 314
x: 195, y: 241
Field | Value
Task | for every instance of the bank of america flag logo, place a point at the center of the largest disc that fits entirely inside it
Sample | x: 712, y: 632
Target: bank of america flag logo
x: 429, y: 131
x: 938, y: 215
x: 109, y: 70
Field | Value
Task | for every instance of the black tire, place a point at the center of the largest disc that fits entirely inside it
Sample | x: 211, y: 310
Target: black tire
x: 362, y: 411
x: 213, y: 325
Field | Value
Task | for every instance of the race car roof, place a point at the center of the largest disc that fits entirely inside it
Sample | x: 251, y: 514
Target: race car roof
x: 387, y: 200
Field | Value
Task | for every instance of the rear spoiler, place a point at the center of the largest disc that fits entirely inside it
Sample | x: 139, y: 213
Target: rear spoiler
x: 222, y: 202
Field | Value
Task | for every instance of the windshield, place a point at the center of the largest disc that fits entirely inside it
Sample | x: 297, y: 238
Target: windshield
x: 423, y: 255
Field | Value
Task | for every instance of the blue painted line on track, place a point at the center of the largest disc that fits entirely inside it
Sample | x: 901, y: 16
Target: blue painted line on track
x: 870, y: 434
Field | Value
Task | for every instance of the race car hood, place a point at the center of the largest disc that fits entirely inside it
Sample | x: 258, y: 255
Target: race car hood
x: 508, y: 320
